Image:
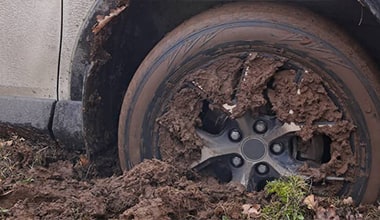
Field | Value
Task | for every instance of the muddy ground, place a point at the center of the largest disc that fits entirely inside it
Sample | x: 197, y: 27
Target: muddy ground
x: 39, y: 180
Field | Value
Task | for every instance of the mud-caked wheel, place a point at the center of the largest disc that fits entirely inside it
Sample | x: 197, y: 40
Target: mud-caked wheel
x: 250, y: 92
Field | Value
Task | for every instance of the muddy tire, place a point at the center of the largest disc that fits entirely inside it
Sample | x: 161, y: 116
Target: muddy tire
x: 291, y: 35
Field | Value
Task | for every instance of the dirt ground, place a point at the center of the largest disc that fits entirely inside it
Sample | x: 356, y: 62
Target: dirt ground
x: 38, y: 180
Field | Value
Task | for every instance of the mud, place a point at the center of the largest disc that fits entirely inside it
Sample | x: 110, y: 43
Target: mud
x: 152, y: 190
x: 305, y: 101
x: 258, y: 85
x: 183, y: 147
x: 39, y: 180
x: 256, y: 75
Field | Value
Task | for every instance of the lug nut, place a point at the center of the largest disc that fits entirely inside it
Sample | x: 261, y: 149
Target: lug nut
x: 262, y: 168
x: 237, y: 161
x: 260, y: 126
x: 235, y: 135
x: 277, y: 148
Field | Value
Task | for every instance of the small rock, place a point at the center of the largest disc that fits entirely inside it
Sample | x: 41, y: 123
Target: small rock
x: 310, y: 202
x: 251, y: 211
x: 348, y: 201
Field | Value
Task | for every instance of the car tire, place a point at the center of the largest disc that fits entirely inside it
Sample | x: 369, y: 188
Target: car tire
x: 289, y: 32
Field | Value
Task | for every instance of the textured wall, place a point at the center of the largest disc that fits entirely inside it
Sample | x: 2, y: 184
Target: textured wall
x: 29, y: 45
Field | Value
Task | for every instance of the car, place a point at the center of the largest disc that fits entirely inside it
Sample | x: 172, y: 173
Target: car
x: 244, y: 91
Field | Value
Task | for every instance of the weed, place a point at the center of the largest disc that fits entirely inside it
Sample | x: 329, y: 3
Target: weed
x: 286, y: 198
x: 3, y: 213
x: 7, y: 166
x: 27, y: 180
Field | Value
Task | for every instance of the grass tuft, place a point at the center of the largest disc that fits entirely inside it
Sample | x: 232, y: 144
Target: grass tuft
x: 287, y: 195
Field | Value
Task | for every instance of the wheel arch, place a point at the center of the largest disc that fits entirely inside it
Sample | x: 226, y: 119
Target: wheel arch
x: 103, y: 66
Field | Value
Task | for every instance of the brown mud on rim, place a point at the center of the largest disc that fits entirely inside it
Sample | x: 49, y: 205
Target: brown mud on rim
x: 258, y: 85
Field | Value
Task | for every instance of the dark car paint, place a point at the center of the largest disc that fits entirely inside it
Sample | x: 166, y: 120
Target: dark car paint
x: 374, y: 6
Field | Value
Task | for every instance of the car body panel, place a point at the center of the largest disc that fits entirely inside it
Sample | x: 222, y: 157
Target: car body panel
x: 75, y: 14
x: 29, y: 48
x: 34, y: 42
x: 374, y: 6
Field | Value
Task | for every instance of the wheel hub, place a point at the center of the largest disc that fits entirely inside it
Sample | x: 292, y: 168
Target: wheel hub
x: 254, y: 149
x: 254, y: 155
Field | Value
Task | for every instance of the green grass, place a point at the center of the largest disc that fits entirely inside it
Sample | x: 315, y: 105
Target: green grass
x: 287, y: 195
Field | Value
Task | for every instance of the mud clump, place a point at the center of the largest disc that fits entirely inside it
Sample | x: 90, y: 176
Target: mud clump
x: 259, y: 85
x: 216, y: 82
x: 179, y: 197
x: 151, y: 190
x: 181, y: 119
x: 256, y: 74
x: 303, y: 99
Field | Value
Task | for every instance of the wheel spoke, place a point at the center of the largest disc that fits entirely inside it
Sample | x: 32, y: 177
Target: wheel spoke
x: 282, y: 130
x: 215, y: 146
x: 243, y: 174
x: 283, y: 171
x: 245, y: 124
x: 291, y: 127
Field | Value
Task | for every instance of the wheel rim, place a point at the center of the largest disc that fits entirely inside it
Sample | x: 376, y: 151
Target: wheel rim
x: 255, y: 147
x: 265, y: 155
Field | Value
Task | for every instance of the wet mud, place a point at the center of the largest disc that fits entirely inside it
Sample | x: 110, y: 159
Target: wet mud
x: 259, y: 85
x: 307, y: 102
x: 256, y: 75
x: 151, y: 190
